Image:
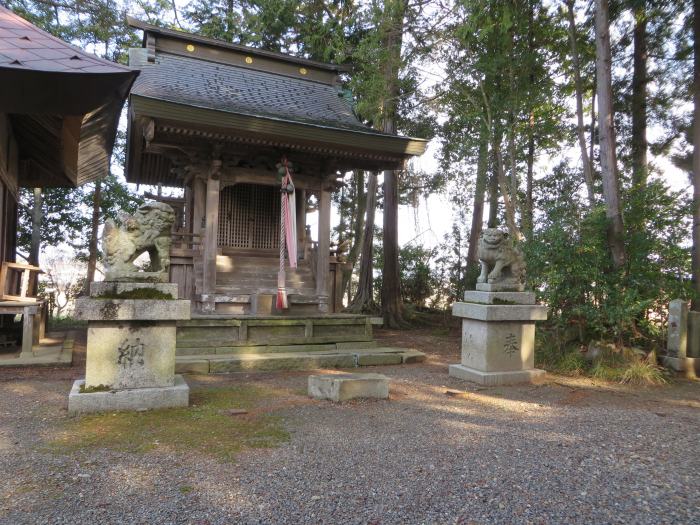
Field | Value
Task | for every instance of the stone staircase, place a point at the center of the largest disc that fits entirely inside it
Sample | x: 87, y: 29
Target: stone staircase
x: 247, y: 284
x: 228, y: 343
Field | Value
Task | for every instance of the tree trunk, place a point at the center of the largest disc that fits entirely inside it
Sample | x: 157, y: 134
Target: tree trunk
x: 364, y: 299
x: 493, y: 197
x: 358, y: 228
x: 639, y: 97
x: 696, y: 155
x: 92, y: 245
x: 508, y: 203
x: 478, y: 209
x: 593, y: 135
x: 528, y: 220
x: 37, y: 216
x: 392, y: 306
x: 585, y: 159
x: 608, y: 161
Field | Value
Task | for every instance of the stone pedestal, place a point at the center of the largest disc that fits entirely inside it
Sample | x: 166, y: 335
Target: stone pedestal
x: 130, y: 361
x: 498, y: 337
x: 682, y: 349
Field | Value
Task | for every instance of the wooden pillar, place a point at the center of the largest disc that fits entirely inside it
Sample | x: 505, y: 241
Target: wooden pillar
x: 301, y: 222
x: 324, y: 245
x: 211, y: 231
x: 199, y: 191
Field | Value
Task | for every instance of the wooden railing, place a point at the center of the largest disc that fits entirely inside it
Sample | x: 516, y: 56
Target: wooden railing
x: 18, y: 282
x: 185, y: 248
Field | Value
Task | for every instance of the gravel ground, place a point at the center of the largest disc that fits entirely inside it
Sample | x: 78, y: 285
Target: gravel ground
x: 568, y: 451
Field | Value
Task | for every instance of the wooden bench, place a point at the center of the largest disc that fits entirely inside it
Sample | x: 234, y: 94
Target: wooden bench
x: 18, y: 288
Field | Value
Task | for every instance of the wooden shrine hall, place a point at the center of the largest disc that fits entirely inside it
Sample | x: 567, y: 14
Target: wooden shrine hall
x: 59, y: 110
x: 219, y: 120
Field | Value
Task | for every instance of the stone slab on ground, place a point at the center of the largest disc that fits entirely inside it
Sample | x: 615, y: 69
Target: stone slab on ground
x: 177, y: 395
x: 496, y: 378
x: 343, y: 387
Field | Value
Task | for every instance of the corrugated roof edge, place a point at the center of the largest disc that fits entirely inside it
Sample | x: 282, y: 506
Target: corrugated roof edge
x: 193, y: 37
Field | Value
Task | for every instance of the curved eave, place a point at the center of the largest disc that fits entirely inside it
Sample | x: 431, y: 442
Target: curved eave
x: 359, y: 140
x: 63, y: 159
x: 60, y: 92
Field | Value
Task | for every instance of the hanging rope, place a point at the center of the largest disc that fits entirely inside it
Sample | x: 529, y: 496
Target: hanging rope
x: 288, y: 234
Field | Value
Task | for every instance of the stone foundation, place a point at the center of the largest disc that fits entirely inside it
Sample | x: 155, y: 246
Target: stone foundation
x: 177, y: 395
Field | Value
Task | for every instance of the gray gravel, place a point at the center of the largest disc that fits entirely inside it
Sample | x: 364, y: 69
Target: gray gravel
x: 569, y: 451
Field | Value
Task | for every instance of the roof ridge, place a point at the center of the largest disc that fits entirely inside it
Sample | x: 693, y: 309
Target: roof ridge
x: 216, y: 42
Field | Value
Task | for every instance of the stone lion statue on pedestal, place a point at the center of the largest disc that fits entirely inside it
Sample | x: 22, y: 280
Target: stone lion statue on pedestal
x: 501, y: 262
x: 148, y: 230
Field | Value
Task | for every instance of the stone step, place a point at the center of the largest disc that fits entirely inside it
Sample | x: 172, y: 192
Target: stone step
x: 270, y: 290
x: 220, y: 349
x: 218, y: 363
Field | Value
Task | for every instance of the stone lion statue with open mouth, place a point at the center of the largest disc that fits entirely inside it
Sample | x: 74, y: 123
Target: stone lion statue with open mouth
x: 501, y: 261
x: 148, y: 230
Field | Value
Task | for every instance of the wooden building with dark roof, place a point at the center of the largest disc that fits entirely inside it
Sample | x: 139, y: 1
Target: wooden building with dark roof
x: 59, y: 109
x: 217, y: 119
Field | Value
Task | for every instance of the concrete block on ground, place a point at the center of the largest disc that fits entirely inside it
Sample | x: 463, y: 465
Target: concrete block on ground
x: 177, y: 395
x: 343, y: 387
x: 496, y: 378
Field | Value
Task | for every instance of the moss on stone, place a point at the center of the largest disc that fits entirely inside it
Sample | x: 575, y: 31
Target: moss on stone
x: 203, y: 427
x: 138, y: 293
x: 92, y: 389
x: 496, y: 300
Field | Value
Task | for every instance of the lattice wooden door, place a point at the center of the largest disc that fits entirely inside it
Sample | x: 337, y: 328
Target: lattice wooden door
x: 249, y: 217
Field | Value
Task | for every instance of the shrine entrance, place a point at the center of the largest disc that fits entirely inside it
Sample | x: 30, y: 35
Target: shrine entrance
x: 249, y: 218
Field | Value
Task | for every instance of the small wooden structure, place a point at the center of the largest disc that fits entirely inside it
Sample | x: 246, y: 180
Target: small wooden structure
x: 59, y: 109
x: 217, y: 119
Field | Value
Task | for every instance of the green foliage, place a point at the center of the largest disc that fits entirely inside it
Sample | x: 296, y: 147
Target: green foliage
x: 417, y: 277
x: 643, y: 373
x: 569, y: 265
x: 67, y: 213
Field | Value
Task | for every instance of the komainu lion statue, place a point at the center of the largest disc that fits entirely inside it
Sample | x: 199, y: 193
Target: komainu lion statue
x: 501, y: 262
x: 148, y: 230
